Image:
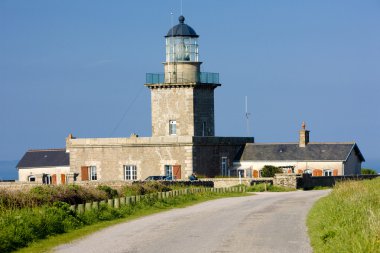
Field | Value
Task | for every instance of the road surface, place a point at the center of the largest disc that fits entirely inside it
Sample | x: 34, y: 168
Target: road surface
x: 266, y: 222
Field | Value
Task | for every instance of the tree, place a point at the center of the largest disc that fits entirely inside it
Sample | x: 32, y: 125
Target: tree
x: 269, y: 171
x: 366, y: 171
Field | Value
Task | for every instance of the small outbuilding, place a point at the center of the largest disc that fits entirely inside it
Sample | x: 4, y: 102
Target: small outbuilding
x: 318, y: 159
x: 48, y: 166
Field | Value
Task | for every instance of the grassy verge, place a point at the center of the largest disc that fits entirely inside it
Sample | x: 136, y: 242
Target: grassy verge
x: 348, y: 220
x: 146, y: 207
x: 268, y: 187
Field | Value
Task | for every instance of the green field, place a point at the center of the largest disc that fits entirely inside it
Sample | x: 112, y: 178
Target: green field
x: 347, y: 220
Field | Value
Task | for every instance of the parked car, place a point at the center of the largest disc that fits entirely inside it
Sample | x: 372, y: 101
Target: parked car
x: 169, y: 178
x: 155, y: 178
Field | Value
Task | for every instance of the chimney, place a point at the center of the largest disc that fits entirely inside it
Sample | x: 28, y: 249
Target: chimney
x: 304, y: 136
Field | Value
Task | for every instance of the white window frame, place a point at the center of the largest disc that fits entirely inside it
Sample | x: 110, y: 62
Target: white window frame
x: 224, y: 166
x: 168, y: 170
x: 308, y: 171
x: 130, y: 172
x: 93, y: 173
x: 47, y: 179
x: 172, y: 127
x: 327, y: 173
x: 30, y: 177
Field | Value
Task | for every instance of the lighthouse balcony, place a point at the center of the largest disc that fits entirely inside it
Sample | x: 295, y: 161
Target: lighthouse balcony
x: 182, y: 78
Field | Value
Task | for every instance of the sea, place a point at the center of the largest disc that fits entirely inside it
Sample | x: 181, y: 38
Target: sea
x: 8, y: 170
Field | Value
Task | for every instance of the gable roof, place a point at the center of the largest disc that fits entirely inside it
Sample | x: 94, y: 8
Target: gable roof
x: 292, y: 152
x: 44, y: 158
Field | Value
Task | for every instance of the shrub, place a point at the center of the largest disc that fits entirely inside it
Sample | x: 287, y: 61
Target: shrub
x: 367, y: 171
x: 48, y: 194
x: 269, y: 187
x: 111, y: 193
x: 270, y: 171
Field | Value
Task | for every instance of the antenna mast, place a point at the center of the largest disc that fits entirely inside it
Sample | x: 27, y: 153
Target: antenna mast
x: 247, y: 114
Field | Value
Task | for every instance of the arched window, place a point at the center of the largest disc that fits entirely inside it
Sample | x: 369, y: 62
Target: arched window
x: 327, y: 173
x: 307, y: 171
x: 31, y: 178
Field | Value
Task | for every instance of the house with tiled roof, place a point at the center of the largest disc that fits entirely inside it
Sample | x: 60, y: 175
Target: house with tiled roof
x: 316, y: 158
x: 49, y: 166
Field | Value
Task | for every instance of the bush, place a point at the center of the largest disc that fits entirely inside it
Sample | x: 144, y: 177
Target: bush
x: 111, y: 193
x: 368, y: 171
x: 270, y: 171
x: 20, y: 227
x: 48, y: 194
x: 261, y: 187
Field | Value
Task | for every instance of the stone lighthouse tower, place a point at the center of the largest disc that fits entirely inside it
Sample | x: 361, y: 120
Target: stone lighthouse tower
x: 182, y: 97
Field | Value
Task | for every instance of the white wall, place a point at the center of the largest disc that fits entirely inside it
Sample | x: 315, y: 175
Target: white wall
x: 258, y: 165
x: 24, y: 173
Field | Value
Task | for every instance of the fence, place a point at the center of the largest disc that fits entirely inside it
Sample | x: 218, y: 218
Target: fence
x: 118, y: 202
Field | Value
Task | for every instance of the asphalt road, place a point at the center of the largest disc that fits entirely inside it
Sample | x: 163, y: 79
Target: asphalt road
x: 266, y: 222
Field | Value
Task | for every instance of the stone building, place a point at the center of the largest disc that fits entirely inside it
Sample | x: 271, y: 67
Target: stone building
x: 318, y: 159
x: 183, y: 137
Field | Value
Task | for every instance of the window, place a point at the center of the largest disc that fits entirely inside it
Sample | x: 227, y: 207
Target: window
x: 46, y: 179
x: 204, y: 128
x: 308, y: 171
x: 224, y: 166
x: 130, y: 172
x: 31, y: 178
x: 172, y: 127
x: 327, y: 173
x: 93, y: 174
x: 168, y: 170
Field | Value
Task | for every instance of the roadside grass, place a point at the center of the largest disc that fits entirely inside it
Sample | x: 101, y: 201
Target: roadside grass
x: 143, y: 208
x: 348, y: 219
x: 261, y: 187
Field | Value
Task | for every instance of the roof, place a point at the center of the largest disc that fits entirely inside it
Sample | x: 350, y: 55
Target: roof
x: 44, y: 158
x: 293, y: 152
x: 182, y: 30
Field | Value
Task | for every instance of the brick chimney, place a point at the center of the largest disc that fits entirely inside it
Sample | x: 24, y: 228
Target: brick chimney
x: 304, y: 136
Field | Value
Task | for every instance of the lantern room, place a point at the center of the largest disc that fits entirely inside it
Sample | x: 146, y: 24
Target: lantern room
x: 181, y: 43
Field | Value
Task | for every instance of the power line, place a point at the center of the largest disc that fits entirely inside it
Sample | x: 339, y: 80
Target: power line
x: 126, y: 111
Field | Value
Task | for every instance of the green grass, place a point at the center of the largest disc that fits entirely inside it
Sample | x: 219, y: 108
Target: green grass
x: 140, y: 209
x: 348, y: 219
x: 268, y: 187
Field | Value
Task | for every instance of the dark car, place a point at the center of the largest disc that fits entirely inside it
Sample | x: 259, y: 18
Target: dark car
x: 155, y: 178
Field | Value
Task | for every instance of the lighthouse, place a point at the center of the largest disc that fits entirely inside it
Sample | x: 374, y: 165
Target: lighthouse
x: 182, y: 98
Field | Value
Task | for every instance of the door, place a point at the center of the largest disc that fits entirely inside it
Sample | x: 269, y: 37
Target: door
x: 54, y: 179
x: 177, y: 171
x: 84, y: 173
x: 63, y: 179
x: 317, y: 173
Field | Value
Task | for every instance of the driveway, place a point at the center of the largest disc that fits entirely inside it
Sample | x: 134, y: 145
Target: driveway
x: 265, y: 222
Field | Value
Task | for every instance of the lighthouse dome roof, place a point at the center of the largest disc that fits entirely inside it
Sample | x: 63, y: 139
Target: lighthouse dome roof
x: 182, y: 30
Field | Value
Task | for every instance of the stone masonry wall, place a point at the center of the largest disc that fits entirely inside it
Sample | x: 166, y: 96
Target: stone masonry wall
x: 149, y: 155
x: 175, y: 103
x: 286, y: 180
x: 204, y: 111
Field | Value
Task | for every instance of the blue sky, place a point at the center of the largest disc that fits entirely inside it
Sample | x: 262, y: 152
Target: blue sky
x: 76, y: 66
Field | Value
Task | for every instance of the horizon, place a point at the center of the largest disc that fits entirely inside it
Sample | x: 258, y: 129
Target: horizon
x: 79, y: 67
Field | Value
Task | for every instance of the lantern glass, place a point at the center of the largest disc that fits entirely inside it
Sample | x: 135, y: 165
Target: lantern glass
x: 181, y: 49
